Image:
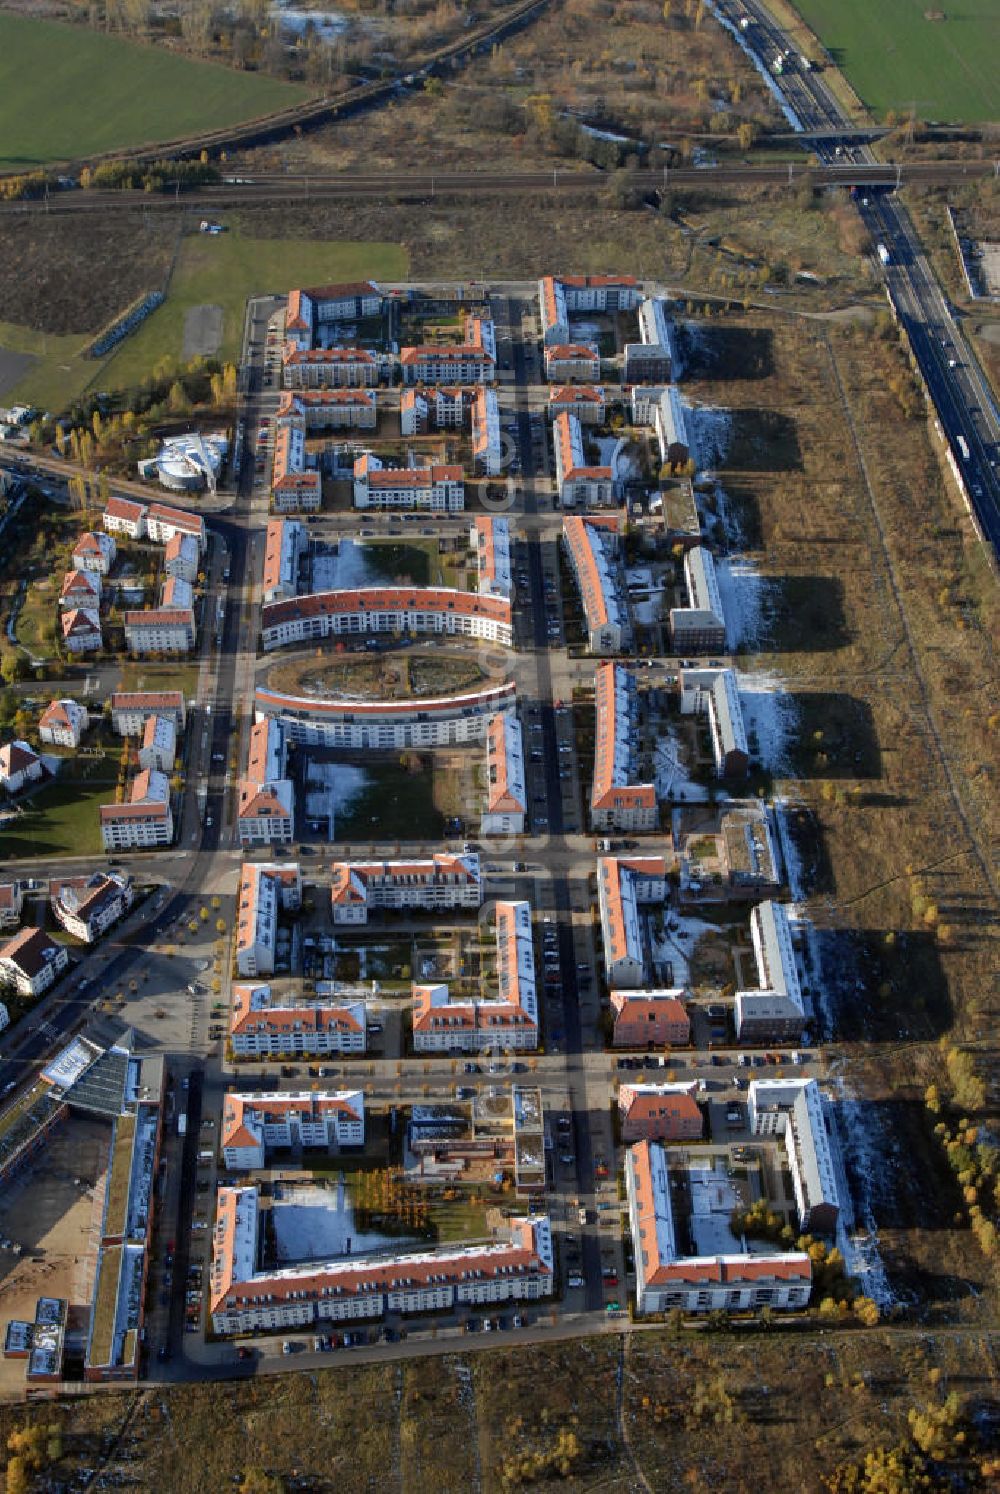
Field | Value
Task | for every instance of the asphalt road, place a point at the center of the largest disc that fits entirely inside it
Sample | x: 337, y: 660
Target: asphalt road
x: 966, y: 408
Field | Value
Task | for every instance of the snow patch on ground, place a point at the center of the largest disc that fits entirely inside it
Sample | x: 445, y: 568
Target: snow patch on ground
x: 332, y: 787
x: 348, y: 568
x: 772, y: 82
x: 327, y: 25
x: 673, y: 947
x: 596, y: 134
x: 711, y: 430
x: 770, y: 716
x: 861, y: 1164
x: 317, y: 1223
x: 671, y: 775
x: 744, y: 594
x: 794, y: 870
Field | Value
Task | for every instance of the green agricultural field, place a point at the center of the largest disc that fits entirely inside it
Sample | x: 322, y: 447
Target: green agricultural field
x: 896, y: 59
x: 224, y: 271
x: 67, y: 92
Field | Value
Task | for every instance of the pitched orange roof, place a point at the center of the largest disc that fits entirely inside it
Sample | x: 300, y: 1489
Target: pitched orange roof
x: 606, y: 792
x: 385, y: 599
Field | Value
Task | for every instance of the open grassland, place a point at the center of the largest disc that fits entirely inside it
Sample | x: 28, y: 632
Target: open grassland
x: 67, y: 92
x: 224, y: 271
x: 700, y: 1412
x: 897, y: 60
x: 62, y: 818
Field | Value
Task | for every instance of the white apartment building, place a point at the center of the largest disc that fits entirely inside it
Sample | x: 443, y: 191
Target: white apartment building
x: 624, y: 884
x: 81, y: 630
x: 387, y: 725
x: 569, y: 361
x: 586, y: 401
x: 487, y: 451
x: 714, y: 693
x: 593, y: 546
x: 386, y: 609
x: 652, y: 360
x: 243, y: 1299
x: 327, y: 410
x: 159, y: 744
x: 285, y: 543
x: 19, y: 766
x: 160, y: 631
x: 503, y: 1023
x: 471, y: 362
x: 265, y: 812
x: 577, y: 481
x: 490, y: 539
x: 441, y: 408
x: 506, y: 802
x: 617, y: 801
x: 164, y: 522
x: 80, y: 589
x: 176, y: 595
x: 265, y: 1026
x: 775, y: 1012
x: 328, y: 368
x: 793, y: 1109
x: 700, y: 627
x: 131, y: 709
x: 561, y: 297
x: 31, y: 962
x: 87, y: 907
x: 445, y: 881
x: 63, y: 723
x: 265, y: 890
x: 309, y: 311
x: 670, y: 424
x: 435, y: 489
x: 11, y: 903
x: 181, y: 558
x: 254, y: 1124
x: 295, y: 484
x: 667, y: 1279
x: 94, y: 552
x: 123, y: 516
x: 146, y: 819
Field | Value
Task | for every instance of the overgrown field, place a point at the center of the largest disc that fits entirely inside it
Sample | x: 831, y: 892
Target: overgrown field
x: 67, y: 93
x: 713, y: 1414
x: 897, y: 59
x: 880, y: 622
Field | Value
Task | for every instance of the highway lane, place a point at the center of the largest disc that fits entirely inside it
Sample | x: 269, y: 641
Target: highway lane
x: 956, y: 383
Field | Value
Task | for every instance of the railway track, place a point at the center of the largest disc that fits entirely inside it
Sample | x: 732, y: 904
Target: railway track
x: 248, y: 191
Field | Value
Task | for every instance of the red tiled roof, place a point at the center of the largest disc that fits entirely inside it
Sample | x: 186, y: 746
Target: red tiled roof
x: 385, y: 599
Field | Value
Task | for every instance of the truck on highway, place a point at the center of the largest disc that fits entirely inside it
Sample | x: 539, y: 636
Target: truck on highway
x: 963, y: 447
x: 883, y: 253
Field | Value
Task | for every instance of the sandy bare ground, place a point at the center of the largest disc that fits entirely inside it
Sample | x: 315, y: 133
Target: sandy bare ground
x: 202, y: 331
x: 53, y: 1211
